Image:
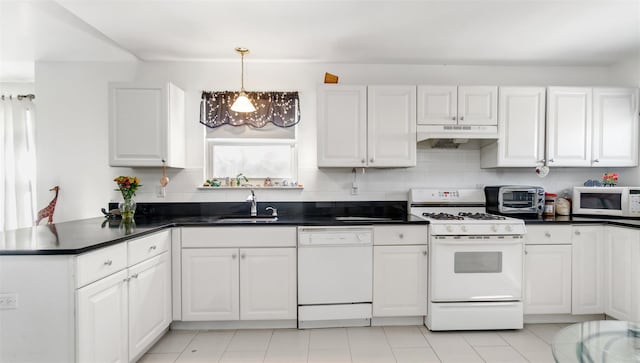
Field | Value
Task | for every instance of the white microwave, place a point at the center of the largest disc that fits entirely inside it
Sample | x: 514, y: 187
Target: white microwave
x: 607, y: 201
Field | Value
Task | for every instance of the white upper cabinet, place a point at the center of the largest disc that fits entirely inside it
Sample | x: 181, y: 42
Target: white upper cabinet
x: 146, y: 125
x: 342, y: 126
x: 569, y: 125
x: 477, y: 105
x: 615, y: 127
x: 391, y: 127
x: 461, y: 105
x: 437, y: 105
x: 521, y: 127
x: 361, y: 126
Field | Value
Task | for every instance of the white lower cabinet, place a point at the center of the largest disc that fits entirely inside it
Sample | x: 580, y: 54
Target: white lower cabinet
x: 119, y: 316
x: 102, y: 320
x: 149, y: 302
x: 622, y: 253
x: 238, y: 284
x: 399, y: 280
x: 268, y: 283
x: 210, y: 284
x: 547, y: 279
x: 588, y: 291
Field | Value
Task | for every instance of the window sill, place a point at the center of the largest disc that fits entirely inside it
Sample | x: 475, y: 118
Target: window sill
x: 250, y: 187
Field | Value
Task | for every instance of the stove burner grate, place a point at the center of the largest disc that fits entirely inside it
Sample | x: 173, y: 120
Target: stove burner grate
x: 443, y: 216
x: 482, y: 216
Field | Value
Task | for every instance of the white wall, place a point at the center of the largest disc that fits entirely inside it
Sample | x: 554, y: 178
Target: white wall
x: 72, y: 130
x: 627, y: 72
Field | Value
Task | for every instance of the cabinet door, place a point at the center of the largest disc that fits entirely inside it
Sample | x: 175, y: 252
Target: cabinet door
x: 391, y: 126
x: 587, y: 288
x: 569, y: 126
x: 156, y: 111
x: 399, y: 280
x: 477, y: 105
x: 342, y: 126
x: 210, y: 282
x: 621, y: 260
x: 521, y: 126
x: 547, y: 279
x: 437, y: 105
x: 615, y: 127
x: 149, y: 302
x: 268, y: 283
x: 102, y: 318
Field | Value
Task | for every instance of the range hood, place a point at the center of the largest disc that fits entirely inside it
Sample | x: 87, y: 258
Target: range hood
x: 454, y: 136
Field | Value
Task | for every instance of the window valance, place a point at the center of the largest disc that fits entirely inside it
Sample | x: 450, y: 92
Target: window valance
x: 280, y: 108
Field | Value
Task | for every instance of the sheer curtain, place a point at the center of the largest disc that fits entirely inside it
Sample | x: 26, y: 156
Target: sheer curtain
x: 18, y: 158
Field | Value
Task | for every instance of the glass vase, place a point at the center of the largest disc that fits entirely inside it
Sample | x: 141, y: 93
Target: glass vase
x: 127, y: 210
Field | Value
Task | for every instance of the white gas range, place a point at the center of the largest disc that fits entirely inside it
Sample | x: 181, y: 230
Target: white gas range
x: 475, y: 261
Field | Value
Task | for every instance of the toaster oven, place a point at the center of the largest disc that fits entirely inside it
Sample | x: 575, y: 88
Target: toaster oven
x: 514, y: 199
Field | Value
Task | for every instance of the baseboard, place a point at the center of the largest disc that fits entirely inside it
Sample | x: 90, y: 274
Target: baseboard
x: 397, y: 320
x: 344, y: 323
x: 560, y: 318
x: 234, y: 324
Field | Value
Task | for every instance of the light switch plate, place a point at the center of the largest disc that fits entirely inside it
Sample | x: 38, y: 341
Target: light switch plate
x: 161, y: 191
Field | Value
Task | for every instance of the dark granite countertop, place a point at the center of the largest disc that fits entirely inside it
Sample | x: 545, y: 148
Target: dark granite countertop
x: 74, y: 237
x: 623, y: 222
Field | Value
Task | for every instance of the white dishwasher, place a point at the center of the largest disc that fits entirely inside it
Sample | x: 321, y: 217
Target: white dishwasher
x: 335, y: 276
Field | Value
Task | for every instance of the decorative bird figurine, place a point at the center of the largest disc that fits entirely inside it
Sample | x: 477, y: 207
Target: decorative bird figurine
x: 48, y: 210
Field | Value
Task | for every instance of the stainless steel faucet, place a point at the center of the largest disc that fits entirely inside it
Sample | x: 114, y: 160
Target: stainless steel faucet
x: 252, y: 198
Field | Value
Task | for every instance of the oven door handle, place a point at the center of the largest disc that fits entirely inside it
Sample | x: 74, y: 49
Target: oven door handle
x: 495, y: 298
x: 477, y: 242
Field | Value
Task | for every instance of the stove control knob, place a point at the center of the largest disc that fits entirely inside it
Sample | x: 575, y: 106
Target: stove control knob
x: 509, y: 229
x: 494, y: 228
x: 449, y: 229
x: 463, y: 228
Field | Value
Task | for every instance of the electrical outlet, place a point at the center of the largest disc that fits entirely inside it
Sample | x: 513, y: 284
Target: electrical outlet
x: 354, y: 189
x: 161, y: 191
x: 8, y: 300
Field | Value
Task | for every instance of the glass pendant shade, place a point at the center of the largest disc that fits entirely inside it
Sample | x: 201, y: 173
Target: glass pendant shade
x: 242, y: 104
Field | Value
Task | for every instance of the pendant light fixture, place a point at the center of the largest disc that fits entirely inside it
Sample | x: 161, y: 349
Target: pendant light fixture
x: 242, y: 103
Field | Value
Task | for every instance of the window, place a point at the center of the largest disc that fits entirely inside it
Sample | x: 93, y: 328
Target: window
x: 257, y: 153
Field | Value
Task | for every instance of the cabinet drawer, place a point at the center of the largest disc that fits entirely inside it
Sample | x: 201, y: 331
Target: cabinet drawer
x: 94, y: 265
x: 399, y: 235
x: 249, y: 236
x: 548, y: 235
x: 140, y: 249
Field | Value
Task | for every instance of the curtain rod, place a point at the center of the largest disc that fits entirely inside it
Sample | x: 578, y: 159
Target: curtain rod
x: 30, y: 96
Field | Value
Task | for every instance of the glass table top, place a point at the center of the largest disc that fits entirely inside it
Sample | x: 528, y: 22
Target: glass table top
x: 598, y: 342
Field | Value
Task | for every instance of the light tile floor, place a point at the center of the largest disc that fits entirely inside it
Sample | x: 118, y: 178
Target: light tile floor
x: 401, y: 344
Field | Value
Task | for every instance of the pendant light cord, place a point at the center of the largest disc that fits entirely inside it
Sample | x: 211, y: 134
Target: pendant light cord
x: 242, y: 71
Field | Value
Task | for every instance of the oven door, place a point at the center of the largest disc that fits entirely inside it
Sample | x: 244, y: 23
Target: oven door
x: 476, y: 268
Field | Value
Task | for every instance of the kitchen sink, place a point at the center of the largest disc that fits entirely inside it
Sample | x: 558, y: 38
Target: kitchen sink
x: 257, y: 219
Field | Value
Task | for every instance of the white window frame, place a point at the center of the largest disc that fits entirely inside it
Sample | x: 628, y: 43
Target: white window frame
x: 211, y: 143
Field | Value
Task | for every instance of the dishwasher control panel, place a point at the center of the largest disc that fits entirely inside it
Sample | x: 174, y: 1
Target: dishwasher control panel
x: 332, y: 236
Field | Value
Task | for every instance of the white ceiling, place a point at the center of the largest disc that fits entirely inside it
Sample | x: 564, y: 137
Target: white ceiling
x: 533, y: 32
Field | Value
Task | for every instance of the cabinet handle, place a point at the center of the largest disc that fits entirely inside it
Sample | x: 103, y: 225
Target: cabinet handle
x: 134, y: 276
x: 453, y: 118
x: 125, y: 280
x: 541, y: 161
x: 461, y: 118
x: 363, y: 161
x: 547, y: 234
x: 401, y: 235
x: 108, y: 263
x: 151, y: 248
x: 242, y: 256
x: 577, y: 233
x: 233, y: 256
x: 371, y: 160
x: 551, y: 160
x: 424, y: 253
x: 526, y: 252
x: 596, y: 160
